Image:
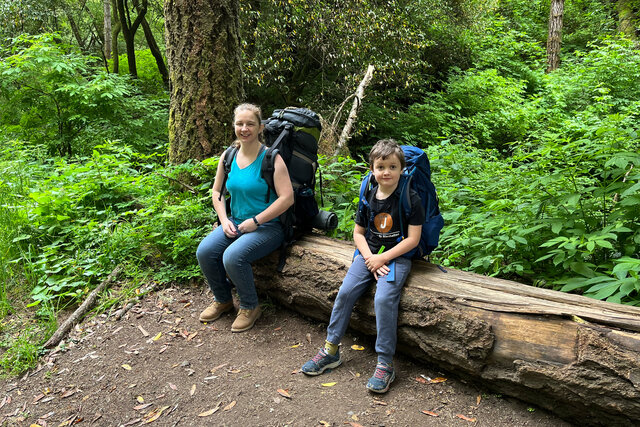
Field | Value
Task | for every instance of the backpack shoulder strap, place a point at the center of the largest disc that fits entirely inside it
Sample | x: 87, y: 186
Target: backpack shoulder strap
x: 268, y: 167
x: 227, y: 159
x: 365, y: 193
x: 405, y: 200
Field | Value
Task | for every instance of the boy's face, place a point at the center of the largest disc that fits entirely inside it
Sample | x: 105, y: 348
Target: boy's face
x: 387, y: 172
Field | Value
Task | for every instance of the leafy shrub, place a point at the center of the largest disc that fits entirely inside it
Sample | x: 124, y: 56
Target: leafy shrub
x: 341, y: 177
x: 54, y: 96
x: 149, y: 78
x: 561, y: 212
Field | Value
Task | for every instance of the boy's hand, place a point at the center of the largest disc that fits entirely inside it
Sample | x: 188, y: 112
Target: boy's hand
x: 376, y: 262
x: 381, y: 272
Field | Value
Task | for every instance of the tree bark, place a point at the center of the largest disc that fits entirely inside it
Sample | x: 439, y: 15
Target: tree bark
x: 107, y: 28
x: 204, y: 55
x: 156, y: 52
x: 353, y: 114
x: 555, y: 34
x: 115, y: 32
x: 626, y: 18
x: 129, y: 29
x: 569, y: 354
x: 74, y: 27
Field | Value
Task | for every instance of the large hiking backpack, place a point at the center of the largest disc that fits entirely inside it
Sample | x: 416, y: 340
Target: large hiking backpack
x: 293, y: 133
x: 417, y: 175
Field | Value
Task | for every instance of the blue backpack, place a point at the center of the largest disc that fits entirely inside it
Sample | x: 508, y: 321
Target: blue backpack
x: 416, y: 175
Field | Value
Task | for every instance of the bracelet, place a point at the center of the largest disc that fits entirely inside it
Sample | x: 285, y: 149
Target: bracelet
x: 255, y: 220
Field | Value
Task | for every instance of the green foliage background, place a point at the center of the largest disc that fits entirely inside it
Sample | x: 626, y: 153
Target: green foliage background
x: 538, y: 174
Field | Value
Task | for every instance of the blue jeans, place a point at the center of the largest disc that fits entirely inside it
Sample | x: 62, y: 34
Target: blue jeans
x: 387, y: 299
x: 219, y: 256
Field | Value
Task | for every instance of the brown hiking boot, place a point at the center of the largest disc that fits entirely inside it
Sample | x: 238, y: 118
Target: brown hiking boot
x: 215, y: 310
x: 246, y: 319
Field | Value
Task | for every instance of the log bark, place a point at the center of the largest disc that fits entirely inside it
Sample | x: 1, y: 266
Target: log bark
x: 576, y: 357
x: 82, y: 310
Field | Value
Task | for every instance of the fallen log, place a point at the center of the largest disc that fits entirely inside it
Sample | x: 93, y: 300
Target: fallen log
x: 574, y: 356
x: 82, y: 310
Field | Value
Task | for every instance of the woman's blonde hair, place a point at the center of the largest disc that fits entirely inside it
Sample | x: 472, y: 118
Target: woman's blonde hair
x: 256, y: 112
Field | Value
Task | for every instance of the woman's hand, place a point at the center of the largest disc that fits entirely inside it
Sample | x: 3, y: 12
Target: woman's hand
x: 247, y: 226
x: 229, y: 229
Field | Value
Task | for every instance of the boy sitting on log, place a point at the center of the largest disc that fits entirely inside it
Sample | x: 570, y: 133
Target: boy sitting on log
x: 378, y: 235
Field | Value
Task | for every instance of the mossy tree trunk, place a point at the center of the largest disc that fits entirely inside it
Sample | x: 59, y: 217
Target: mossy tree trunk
x: 205, y: 73
x: 626, y: 18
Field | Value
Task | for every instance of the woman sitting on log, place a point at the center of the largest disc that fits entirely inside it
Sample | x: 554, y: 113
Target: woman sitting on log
x: 251, y: 230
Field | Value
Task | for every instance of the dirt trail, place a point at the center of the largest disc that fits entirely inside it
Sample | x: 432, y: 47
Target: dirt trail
x: 159, y: 365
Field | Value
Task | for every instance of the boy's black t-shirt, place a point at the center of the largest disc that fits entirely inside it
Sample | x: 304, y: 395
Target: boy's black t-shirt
x: 385, y: 227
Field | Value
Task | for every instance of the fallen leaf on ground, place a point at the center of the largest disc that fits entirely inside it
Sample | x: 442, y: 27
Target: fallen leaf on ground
x: 193, y: 390
x: 328, y: 384
x: 153, y: 415
x: 284, y: 393
x: 145, y: 333
x: 218, y: 367
x: 140, y: 407
x: 473, y: 420
x: 433, y: 414
x: 295, y: 371
x: 278, y: 328
x: 421, y: 380
x: 309, y: 337
x: 162, y: 350
x: 380, y: 402
x: 68, y: 393
x: 295, y: 346
x: 357, y: 347
x: 478, y: 399
x: 140, y: 399
x: 210, y: 411
x: 438, y: 380
x: 127, y: 367
x: 172, y: 386
x: 229, y: 406
x: 192, y: 336
x: 157, y: 337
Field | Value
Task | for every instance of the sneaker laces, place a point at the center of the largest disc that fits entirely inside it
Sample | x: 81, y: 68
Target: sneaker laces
x: 318, y: 357
x: 381, y: 371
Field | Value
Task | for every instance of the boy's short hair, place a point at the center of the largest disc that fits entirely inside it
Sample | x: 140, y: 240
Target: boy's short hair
x: 385, y: 148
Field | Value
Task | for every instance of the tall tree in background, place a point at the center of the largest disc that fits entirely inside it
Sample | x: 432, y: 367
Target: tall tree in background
x: 626, y: 17
x: 107, y: 28
x: 555, y: 34
x: 129, y: 29
x: 204, y: 56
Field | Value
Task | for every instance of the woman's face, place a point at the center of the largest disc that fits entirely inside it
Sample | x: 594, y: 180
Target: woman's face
x: 247, y: 126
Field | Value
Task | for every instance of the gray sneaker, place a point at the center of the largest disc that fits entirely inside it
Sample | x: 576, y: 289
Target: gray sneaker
x: 321, y: 362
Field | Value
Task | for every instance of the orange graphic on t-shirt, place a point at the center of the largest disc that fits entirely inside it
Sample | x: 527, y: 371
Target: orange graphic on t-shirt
x: 383, y: 222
